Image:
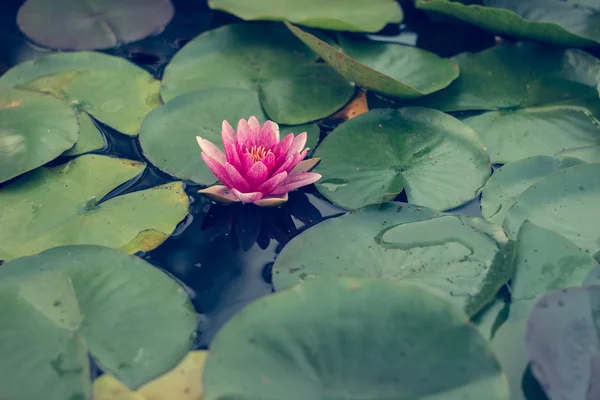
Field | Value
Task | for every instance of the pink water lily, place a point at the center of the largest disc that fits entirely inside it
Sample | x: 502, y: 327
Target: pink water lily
x: 257, y: 167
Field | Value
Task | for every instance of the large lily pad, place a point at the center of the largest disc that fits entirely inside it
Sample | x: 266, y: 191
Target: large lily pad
x: 92, y: 24
x: 90, y: 137
x: 58, y: 206
x: 341, y: 15
x: 551, y: 21
x: 590, y: 154
x: 352, y: 338
x: 34, y: 129
x: 437, y: 160
x: 168, y: 135
x: 60, y: 305
x: 461, y: 256
x: 565, y: 202
x: 267, y: 58
x: 387, y: 68
x: 113, y: 90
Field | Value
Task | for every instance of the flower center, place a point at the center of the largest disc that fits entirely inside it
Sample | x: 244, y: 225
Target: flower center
x: 257, y: 153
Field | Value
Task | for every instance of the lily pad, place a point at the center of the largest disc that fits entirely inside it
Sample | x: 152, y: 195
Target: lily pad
x: 111, y: 89
x: 168, y: 135
x: 551, y: 21
x: 92, y: 24
x: 352, y: 338
x: 293, y: 88
x: 508, y: 182
x: 565, y: 202
x: 51, y: 207
x: 340, y: 15
x: 90, y: 137
x: 590, y: 154
x: 34, y: 129
x: 461, y: 256
x: 388, y: 68
x: 437, y: 160
x: 60, y: 305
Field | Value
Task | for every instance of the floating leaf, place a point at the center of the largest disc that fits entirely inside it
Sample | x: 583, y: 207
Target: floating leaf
x: 60, y: 305
x: 57, y: 206
x: 340, y: 15
x: 436, y: 159
x: 34, y: 129
x: 351, y: 338
x: 551, y: 21
x: 388, y: 68
x: 90, y: 137
x: 92, y: 24
x: 590, y: 154
x: 111, y: 89
x: 292, y: 87
x: 461, y: 256
x: 168, y: 135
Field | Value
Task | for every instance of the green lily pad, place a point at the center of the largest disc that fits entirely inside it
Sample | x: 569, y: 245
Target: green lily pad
x: 565, y: 202
x: 90, y: 137
x: 59, y: 206
x: 65, y: 303
x: 352, y: 338
x: 293, y: 88
x: 92, y: 24
x: 34, y: 129
x: 551, y: 21
x: 437, y: 160
x: 508, y: 182
x: 590, y: 154
x: 463, y: 257
x: 111, y: 89
x: 340, y: 15
x: 168, y: 135
x: 388, y: 68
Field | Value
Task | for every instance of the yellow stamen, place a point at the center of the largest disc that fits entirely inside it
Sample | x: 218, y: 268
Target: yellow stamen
x: 257, y: 153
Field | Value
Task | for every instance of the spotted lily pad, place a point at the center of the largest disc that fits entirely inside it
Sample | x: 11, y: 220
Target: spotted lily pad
x: 388, y: 68
x: 293, y: 88
x: 92, y: 24
x: 65, y: 303
x: 57, y: 206
x: 111, y: 89
x: 551, y: 21
x: 90, y: 137
x: 437, y: 160
x: 168, y: 135
x: 34, y: 129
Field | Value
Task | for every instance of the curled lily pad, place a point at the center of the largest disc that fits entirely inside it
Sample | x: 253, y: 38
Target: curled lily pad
x: 111, y: 89
x: 92, y: 24
x: 34, y: 129
x: 293, y: 88
x: 437, y: 160
x: 590, y: 154
x: 463, y: 257
x: 168, y: 135
x: 551, y: 21
x: 387, y: 68
x: 65, y: 303
x: 351, y: 338
x: 62, y: 205
x: 90, y: 137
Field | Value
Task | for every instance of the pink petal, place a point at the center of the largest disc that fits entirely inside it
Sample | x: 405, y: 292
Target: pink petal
x: 269, y: 162
x: 217, y: 169
x: 257, y: 174
x: 284, y: 145
x: 289, y: 163
x: 272, y: 201
x: 247, y: 197
x: 219, y: 193
x: 254, y: 129
x: 298, y: 143
x: 246, y: 162
x: 244, y: 133
x: 270, y: 185
x: 305, y: 166
x: 269, y: 135
x: 236, y: 179
x: 295, y: 181
x: 229, y: 143
x: 211, y: 150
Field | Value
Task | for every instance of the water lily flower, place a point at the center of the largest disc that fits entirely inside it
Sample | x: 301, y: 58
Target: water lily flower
x: 257, y: 167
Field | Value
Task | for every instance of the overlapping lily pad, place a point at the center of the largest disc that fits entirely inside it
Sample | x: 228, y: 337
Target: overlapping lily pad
x: 551, y: 21
x: 341, y: 15
x: 34, y: 129
x: 463, y: 257
x: 90, y: 137
x: 293, y: 88
x: 590, y: 154
x: 60, y: 305
x: 92, y: 24
x: 388, y: 68
x: 113, y: 90
x: 352, y: 338
x: 437, y: 160
x: 168, y: 135
x: 57, y: 206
